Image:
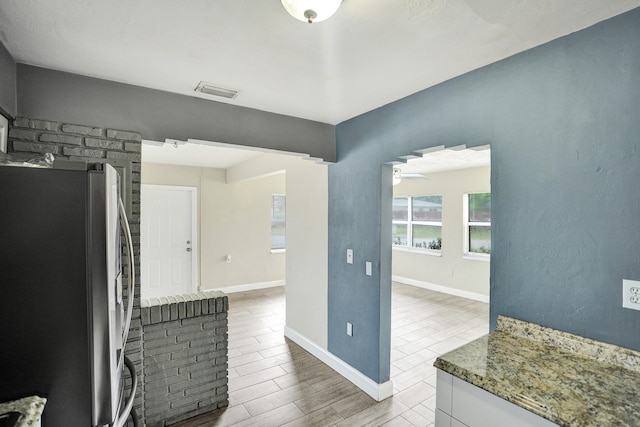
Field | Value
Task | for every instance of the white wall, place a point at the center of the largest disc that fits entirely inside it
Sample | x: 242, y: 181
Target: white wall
x: 237, y: 222
x: 453, y: 271
x: 233, y: 219
x: 307, y: 242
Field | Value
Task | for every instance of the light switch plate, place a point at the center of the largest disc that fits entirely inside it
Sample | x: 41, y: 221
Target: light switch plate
x: 349, y: 256
x: 631, y: 294
x: 349, y: 329
x: 368, y: 268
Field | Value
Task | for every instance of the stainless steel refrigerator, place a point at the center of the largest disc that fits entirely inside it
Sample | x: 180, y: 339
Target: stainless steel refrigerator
x: 63, y: 320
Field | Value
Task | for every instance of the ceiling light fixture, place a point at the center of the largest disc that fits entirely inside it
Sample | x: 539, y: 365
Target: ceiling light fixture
x: 311, y: 10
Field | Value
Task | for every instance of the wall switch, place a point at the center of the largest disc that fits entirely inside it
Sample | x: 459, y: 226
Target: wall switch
x: 367, y: 268
x: 349, y: 256
x: 631, y: 294
x: 349, y: 329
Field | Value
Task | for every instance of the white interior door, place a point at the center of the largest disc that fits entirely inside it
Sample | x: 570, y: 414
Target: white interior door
x: 167, y: 240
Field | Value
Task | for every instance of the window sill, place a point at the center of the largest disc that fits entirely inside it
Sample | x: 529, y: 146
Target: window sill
x: 418, y: 251
x: 278, y: 251
x: 477, y: 257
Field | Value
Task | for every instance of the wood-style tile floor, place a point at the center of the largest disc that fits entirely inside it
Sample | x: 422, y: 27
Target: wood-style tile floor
x: 274, y: 382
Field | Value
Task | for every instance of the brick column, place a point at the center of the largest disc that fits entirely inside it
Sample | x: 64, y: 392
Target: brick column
x: 185, y: 356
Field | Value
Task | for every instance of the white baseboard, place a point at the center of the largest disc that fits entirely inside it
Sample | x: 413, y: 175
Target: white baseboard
x: 440, y: 288
x: 377, y: 391
x: 249, y: 287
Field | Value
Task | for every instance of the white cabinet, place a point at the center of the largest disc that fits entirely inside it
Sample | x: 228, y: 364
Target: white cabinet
x: 459, y: 403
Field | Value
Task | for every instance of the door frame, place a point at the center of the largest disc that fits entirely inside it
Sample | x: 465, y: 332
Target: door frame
x: 195, y: 228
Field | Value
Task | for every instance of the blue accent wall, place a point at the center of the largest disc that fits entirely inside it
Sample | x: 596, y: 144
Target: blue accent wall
x: 563, y: 121
x: 7, y: 82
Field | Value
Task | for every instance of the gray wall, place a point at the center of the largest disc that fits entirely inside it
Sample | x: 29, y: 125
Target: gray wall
x: 7, y: 82
x: 71, y: 98
x: 563, y: 123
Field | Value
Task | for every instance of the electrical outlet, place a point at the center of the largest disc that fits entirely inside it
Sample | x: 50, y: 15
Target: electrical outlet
x: 349, y: 329
x: 631, y: 294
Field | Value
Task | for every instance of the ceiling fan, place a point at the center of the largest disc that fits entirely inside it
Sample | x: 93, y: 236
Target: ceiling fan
x: 398, y: 176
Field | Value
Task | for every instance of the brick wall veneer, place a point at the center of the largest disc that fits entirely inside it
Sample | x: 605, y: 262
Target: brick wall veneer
x: 185, y: 356
x: 74, y: 142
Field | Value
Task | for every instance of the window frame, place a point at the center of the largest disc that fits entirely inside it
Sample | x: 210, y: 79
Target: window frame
x: 410, y: 222
x: 271, y: 224
x: 467, y: 227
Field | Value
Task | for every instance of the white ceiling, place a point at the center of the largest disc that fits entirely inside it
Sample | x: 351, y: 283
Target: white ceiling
x: 223, y: 156
x: 370, y: 53
x: 196, y: 153
x: 447, y: 159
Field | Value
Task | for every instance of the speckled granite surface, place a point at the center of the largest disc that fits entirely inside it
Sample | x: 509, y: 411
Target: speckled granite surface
x: 567, y: 379
x: 30, y: 407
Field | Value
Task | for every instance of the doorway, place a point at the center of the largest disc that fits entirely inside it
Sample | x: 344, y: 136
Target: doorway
x: 441, y: 222
x: 440, y: 262
x: 237, y: 229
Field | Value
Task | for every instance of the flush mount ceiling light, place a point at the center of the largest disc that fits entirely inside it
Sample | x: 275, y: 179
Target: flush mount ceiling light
x: 311, y: 10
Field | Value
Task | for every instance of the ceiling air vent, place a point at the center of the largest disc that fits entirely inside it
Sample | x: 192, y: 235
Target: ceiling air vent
x: 214, y: 90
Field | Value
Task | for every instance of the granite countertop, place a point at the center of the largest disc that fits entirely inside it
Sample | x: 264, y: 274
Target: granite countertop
x: 565, y: 378
x: 30, y: 407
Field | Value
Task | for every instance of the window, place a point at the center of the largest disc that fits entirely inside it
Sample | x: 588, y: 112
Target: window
x: 400, y: 221
x: 478, y: 215
x: 278, y: 221
x: 417, y: 221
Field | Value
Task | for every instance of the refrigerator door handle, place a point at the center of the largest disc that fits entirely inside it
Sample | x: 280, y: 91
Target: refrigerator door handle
x: 124, y: 415
x: 130, y: 258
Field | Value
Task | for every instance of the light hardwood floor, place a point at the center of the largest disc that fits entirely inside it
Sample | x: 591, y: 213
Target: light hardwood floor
x: 274, y: 382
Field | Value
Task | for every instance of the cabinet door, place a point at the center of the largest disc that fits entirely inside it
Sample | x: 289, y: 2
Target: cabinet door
x: 478, y: 408
x: 444, y: 391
